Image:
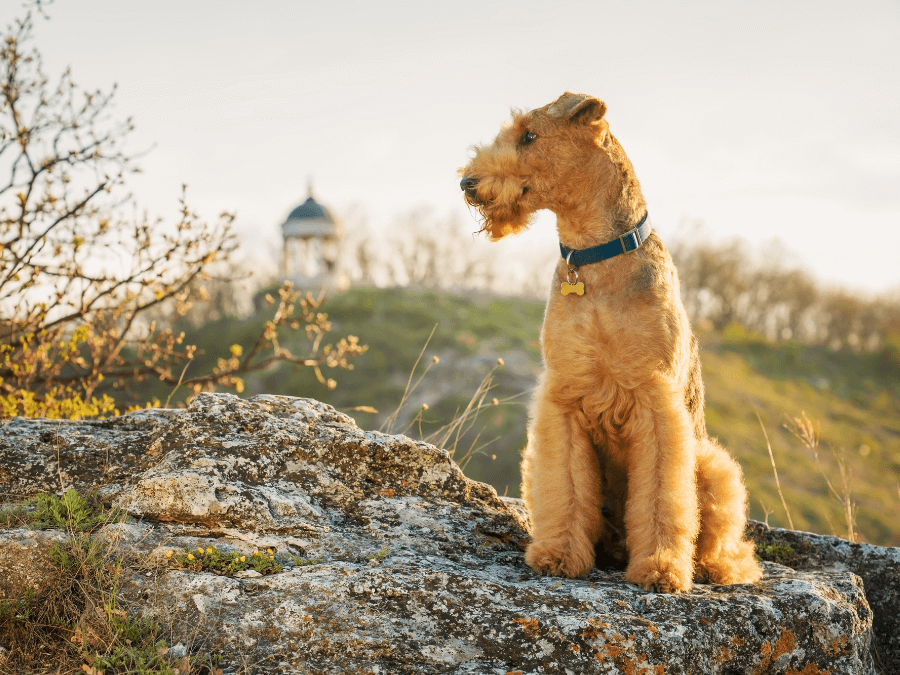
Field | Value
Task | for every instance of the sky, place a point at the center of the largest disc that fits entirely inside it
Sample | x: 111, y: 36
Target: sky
x: 777, y: 122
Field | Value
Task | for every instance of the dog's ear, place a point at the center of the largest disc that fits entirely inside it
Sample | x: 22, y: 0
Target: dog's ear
x: 578, y: 108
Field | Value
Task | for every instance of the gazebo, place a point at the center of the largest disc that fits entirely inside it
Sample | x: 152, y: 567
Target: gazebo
x: 310, y: 254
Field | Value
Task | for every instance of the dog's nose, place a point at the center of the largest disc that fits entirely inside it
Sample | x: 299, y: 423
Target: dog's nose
x: 468, y: 185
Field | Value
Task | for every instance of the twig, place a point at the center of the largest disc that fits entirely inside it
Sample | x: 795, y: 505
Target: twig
x: 766, y: 512
x: 180, y: 380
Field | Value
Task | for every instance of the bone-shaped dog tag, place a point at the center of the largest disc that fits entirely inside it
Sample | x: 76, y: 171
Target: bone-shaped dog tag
x: 577, y: 289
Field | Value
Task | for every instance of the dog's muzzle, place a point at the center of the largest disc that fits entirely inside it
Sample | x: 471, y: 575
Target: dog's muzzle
x: 469, y: 185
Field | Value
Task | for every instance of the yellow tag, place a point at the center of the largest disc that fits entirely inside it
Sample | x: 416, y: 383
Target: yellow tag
x: 577, y: 289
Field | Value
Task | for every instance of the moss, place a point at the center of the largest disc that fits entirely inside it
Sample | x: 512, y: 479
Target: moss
x: 297, y: 561
x: 380, y: 555
x: 781, y: 553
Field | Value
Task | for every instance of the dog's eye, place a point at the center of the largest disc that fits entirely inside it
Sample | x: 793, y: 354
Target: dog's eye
x: 527, y: 138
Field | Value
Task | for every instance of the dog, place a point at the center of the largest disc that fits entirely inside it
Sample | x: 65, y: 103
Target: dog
x: 617, y: 439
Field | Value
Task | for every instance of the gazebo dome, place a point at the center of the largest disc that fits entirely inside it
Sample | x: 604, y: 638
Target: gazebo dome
x: 310, y: 219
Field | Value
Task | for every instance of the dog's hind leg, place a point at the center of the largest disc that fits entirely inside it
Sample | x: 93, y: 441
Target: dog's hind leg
x: 724, y: 556
x: 561, y: 486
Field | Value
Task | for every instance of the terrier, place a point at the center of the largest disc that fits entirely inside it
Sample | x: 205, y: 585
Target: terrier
x: 617, y: 438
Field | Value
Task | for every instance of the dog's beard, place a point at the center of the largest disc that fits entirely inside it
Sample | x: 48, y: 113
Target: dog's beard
x: 501, y: 221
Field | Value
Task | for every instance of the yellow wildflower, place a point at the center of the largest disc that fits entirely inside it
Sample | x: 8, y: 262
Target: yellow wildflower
x: 190, y: 556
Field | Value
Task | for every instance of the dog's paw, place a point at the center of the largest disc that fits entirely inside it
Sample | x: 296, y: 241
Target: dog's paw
x: 559, y: 560
x: 738, y: 566
x: 660, y: 573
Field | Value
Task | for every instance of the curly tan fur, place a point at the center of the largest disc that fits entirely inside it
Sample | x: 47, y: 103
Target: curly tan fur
x: 617, y: 441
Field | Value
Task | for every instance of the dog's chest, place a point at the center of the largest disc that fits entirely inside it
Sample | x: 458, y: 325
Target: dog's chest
x: 612, y: 338
x: 587, y: 331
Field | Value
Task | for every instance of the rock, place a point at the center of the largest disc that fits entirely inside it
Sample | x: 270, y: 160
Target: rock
x: 877, y: 566
x: 395, y: 562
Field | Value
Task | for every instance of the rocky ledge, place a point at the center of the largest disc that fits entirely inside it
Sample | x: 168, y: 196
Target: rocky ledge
x: 395, y: 562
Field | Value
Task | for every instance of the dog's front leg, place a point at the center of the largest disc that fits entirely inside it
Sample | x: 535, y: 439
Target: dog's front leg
x: 561, y: 486
x: 661, y: 512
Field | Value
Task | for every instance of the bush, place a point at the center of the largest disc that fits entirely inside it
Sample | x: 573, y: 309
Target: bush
x: 83, y: 286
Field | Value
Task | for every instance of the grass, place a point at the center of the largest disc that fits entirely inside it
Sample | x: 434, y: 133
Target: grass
x: 14, y: 516
x: 462, y: 423
x: 298, y: 561
x: 75, y: 622
x: 71, y: 512
x: 856, y: 405
x: 787, y: 511
x: 854, y: 398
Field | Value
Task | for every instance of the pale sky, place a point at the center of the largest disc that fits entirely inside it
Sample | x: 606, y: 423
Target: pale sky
x: 763, y: 119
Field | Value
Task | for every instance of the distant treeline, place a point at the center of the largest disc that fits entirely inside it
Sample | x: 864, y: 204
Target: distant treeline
x: 721, y: 283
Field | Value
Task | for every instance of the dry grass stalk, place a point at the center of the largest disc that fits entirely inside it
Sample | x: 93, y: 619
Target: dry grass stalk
x: 775, y: 471
x: 449, y: 435
x: 388, y: 425
x: 804, y: 430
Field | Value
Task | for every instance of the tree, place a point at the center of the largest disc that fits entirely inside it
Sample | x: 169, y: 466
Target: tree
x: 80, y: 281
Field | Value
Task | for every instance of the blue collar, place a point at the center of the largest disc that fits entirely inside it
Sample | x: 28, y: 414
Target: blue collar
x: 628, y: 242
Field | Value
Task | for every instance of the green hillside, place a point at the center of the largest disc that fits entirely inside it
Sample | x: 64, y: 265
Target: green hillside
x: 853, y: 398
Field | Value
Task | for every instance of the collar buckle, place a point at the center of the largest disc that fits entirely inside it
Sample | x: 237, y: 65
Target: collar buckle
x: 631, y: 241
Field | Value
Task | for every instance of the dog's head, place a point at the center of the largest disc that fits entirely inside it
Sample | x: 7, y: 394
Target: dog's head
x: 539, y: 160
